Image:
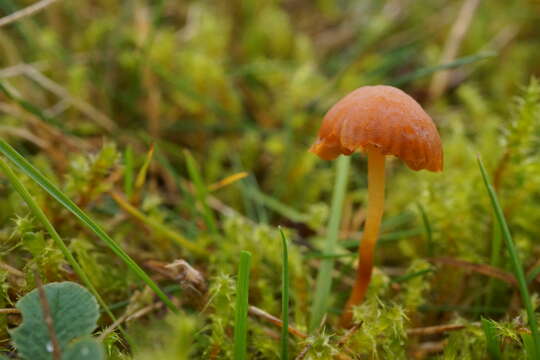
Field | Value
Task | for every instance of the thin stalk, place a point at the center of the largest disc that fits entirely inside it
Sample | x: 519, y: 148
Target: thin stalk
x: 284, y: 299
x: 201, y: 192
x: 496, y: 246
x: 514, y: 257
x: 242, y: 305
x: 428, y: 231
x: 324, y: 277
x: 371, y: 232
x: 128, y: 171
x: 492, y: 342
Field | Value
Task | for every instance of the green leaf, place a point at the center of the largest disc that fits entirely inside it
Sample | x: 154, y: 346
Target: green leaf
x: 74, y: 312
x: 492, y: 343
x: 528, y: 344
x: 84, y: 349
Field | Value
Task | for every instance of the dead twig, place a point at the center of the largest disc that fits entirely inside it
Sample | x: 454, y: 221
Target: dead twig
x: 128, y: 317
x: 10, y: 311
x: 479, y: 268
x: 439, y: 81
x: 431, y: 347
x: 343, y: 340
x: 48, y: 318
x: 304, y: 352
x: 10, y: 269
x: 62, y: 93
x: 255, y: 311
x: 27, y: 11
x: 432, y: 330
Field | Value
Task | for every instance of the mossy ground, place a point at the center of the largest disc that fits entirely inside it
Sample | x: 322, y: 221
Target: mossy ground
x: 89, y: 86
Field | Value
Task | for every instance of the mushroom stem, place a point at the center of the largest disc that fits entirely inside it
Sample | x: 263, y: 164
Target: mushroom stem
x: 371, y: 231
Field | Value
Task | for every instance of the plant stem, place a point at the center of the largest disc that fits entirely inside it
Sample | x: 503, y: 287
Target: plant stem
x: 284, y: 299
x: 514, y: 257
x: 242, y: 304
x: 371, y: 232
x: 324, y: 277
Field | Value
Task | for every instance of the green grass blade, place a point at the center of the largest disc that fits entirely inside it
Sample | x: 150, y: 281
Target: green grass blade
x: 492, y: 343
x: 432, y: 69
x: 528, y: 344
x: 158, y: 227
x: 128, y: 171
x: 32, y: 109
x: 285, y: 299
x: 242, y: 304
x: 495, y: 261
x: 428, y: 230
x: 141, y: 175
x: 514, y: 256
x: 277, y: 206
x: 533, y: 274
x: 324, y: 277
x: 27, y: 168
x: 407, y: 277
x: 201, y: 191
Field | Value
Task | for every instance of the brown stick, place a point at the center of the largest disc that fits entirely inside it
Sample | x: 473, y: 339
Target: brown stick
x: 432, y: 330
x: 48, y: 318
x: 27, y: 11
x: 255, y: 311
x: 439, y: 81
x: 10, y: 311
x: 479, y: 268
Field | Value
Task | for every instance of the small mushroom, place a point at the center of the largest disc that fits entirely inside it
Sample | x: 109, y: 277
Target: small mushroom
x: 378, y: 120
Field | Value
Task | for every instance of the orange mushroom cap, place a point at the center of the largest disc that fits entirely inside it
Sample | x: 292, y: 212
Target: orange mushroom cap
x: 384, y: 117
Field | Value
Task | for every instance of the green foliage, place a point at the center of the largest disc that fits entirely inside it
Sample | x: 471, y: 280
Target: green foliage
x: 74, y: 312
x: 243, y: 86
x: 170, y: 339
x: 383, y: 329
x: 467, y: 344
x: 492, y: 341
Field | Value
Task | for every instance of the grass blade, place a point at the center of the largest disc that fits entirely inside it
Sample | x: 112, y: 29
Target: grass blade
x: 492, y: 343
x: 141, y: 175
x: 242, y: 304
x: 429, y: 231
x: 496, y: 246
x: 156, y: 226
x: 128, y: 171
x: 27, y: 168
x: 285, y: 299
x: 32, y: 109
x: 450, y: 65
x: 324, y: 277
x: 530, y: 348
x: 514, y: 256
x: 277, y: 206
x: 201, y: 191
x: 533, y: 274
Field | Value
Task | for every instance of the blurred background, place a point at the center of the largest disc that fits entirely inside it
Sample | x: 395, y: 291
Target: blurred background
x: 88, y: 87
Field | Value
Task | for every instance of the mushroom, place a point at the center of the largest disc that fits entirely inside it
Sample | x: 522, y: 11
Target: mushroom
x: 378, y: 120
